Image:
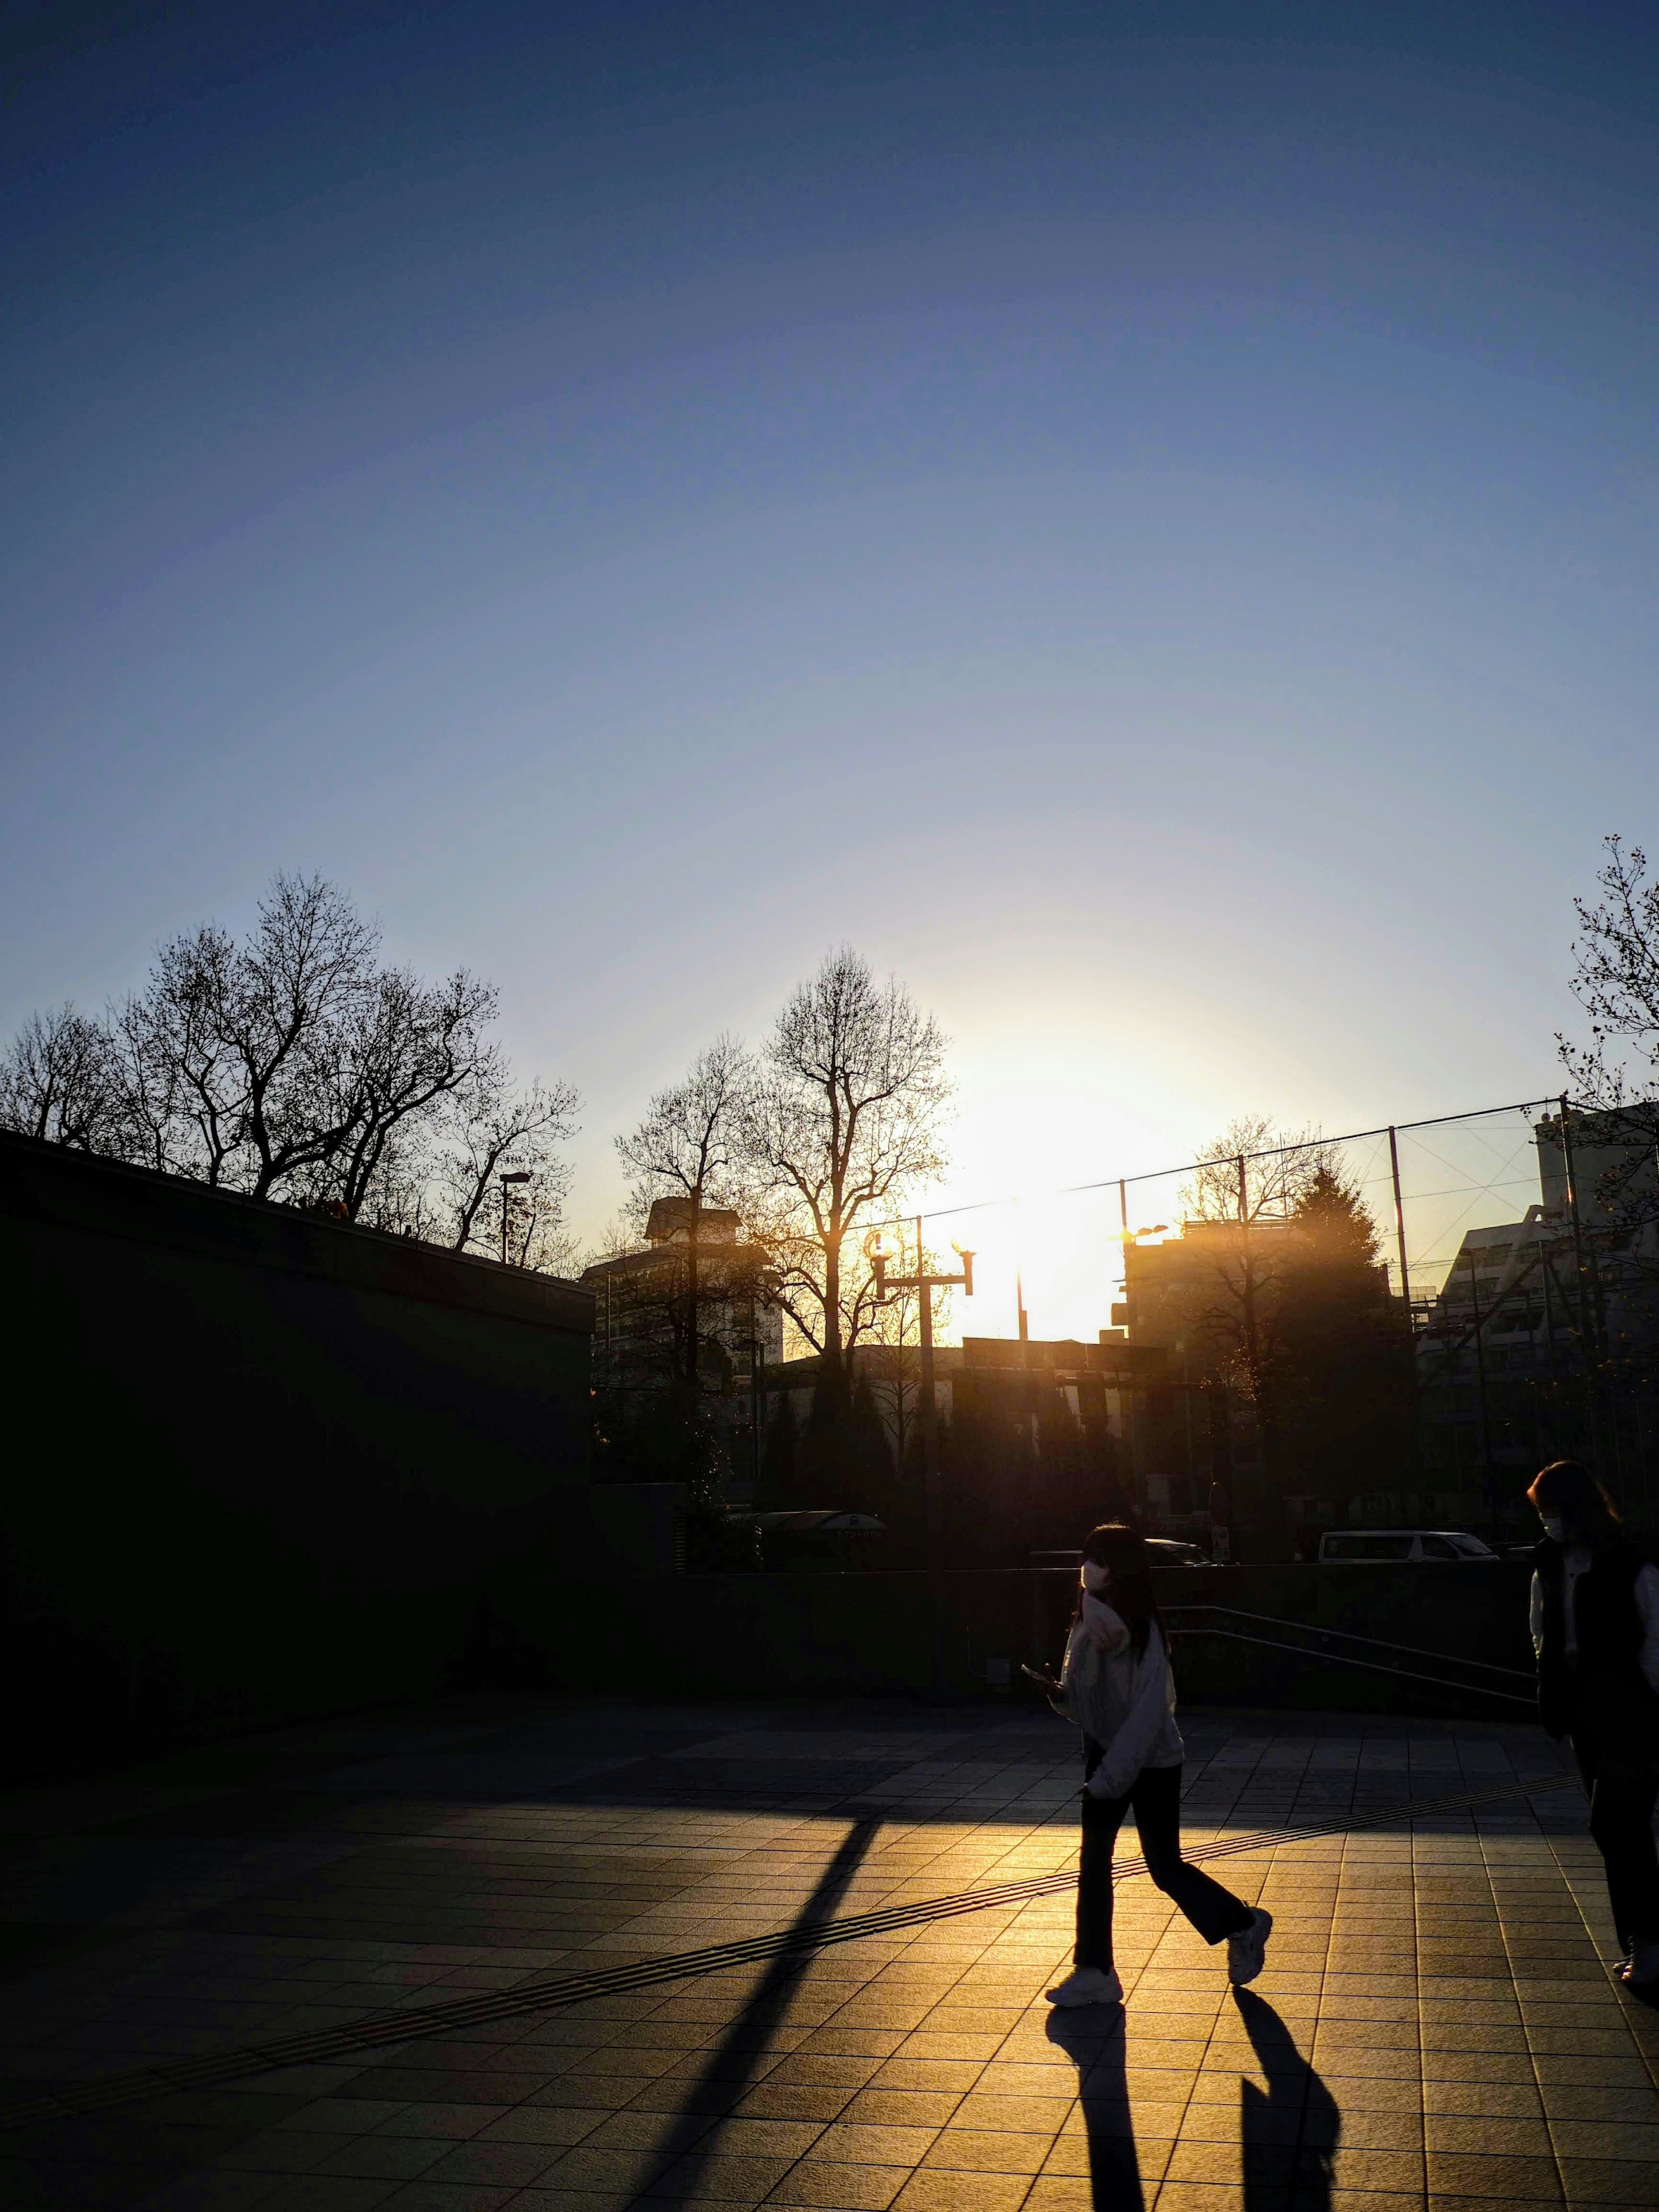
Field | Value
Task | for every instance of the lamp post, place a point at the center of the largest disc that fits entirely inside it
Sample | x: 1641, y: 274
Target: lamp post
x: 925, y: 1285
x: 518, y: 1174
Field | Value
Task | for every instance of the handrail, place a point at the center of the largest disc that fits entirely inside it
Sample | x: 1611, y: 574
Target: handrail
x: 1369, y: 1666
x: 1347, y: 1636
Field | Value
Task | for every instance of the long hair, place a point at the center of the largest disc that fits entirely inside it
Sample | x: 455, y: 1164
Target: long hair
x: 1566, y: 1486
x: 1122, y: 1552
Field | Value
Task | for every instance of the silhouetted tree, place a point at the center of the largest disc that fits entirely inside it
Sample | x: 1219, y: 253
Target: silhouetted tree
x: 61, y: 1081
x: 779, y: 1486
x: 844, y: 1118
x: 1255, y: 1170
x: 296, y: 1063
x: 686, y: 1149
x: 1299, y: 1324
x: 1345, y: 1409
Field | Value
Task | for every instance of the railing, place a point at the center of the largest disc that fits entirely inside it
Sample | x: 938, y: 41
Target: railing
x: 1185, y: 1620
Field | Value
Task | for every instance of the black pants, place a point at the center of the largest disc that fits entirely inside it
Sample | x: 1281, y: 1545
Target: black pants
x: 1156, y: 1801
x: 1621, y: 1773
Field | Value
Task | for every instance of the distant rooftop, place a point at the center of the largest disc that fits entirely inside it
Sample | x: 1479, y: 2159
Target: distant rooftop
x: 670, y: 1221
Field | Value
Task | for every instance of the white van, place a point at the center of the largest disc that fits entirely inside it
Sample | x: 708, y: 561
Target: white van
x: 1370, y: 1547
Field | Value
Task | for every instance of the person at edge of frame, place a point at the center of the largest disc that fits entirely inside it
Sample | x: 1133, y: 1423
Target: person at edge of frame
x: 1594, y: 1613
x: 1115, y: 1684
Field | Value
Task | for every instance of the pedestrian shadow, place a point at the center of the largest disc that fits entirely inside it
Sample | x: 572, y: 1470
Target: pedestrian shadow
x: 1094, y: 2038
x: 730, y: 2067
x: 1290, y: 2131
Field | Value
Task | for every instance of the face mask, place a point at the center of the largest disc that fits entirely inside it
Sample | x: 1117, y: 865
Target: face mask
x: 1553, y: 1528
x: 1095, y: 1578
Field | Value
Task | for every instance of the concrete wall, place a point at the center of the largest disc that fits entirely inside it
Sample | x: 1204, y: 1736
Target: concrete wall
x: 260, y: 1466
x: 806, y: 1634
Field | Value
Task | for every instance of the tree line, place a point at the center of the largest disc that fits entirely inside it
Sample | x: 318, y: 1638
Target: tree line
x: 297, y: 1064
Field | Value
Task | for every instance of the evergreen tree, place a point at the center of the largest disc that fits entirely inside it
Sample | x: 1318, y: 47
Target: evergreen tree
x: 779, y: 1485
x: 1336, y: 1219
x: 1345, y: 1418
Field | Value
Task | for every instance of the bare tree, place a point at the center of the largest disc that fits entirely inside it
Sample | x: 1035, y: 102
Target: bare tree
x: 409, y: 1049
x: 1257, y: 1177
x: 1616, y: 981
x: 1615, y: 1132
x: 844, y: 1119
x: 687, y: 1148
x: 249, y: 1045
x: 494, y: 1129
x: 1255, y: 1170
x: 298, y: 1065
x: 60, y: 1082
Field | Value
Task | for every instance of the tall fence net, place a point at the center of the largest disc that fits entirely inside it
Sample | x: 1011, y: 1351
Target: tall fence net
x: 1389, y: 1330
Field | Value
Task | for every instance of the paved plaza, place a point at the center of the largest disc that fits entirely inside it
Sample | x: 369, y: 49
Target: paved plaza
x: 1437, y: 2023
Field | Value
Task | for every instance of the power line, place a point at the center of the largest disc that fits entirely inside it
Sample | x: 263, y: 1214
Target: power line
x: 1225, y: 1160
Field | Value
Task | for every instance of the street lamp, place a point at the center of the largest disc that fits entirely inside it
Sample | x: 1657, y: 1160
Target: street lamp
x: 518, y: 1174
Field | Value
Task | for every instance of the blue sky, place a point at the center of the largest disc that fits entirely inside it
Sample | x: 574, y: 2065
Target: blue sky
x: 1143, y: 518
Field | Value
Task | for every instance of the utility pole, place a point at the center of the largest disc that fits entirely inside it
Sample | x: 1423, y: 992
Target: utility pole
x: 1252, y: 1359
x: 756, y: 1382
x: 1026, y: 1407
x: 924, y: 1285
x: 1028, y: 1414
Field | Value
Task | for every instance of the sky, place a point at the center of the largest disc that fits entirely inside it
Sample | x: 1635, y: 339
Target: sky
x: 1141, y: 519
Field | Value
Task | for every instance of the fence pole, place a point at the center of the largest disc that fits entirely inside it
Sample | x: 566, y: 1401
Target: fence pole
x: 1488, y: 1480
x: 1127, y: 1417
x: 1419, y: 1456
x: 1586, y: 1335
x: 1400, y: 1222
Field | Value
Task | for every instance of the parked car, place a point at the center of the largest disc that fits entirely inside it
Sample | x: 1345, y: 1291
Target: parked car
x: 1364, y: 1547
x: 1168, y: 1552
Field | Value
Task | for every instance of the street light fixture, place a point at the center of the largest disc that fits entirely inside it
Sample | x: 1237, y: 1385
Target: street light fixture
x: 518, y: 1174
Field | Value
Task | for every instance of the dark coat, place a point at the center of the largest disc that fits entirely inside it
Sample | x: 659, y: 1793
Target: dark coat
x: 1603, y: 1690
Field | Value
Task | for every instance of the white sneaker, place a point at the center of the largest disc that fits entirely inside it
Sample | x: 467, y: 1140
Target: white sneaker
x: 1247, y: 1952
x: 1088, y: 1985
x: 1643, y: 1972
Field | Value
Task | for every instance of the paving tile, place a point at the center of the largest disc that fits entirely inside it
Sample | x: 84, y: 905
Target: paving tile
x: 858, y: 2144
x: 1439, y: 1985
x: 1458, y: 2173
x: 1610, y: 2181
x: 838, y: 2186
x: 954, y: 2191
x: 983, y: 2150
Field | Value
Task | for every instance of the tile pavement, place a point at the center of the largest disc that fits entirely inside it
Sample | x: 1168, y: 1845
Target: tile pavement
x: 1436, y: 2027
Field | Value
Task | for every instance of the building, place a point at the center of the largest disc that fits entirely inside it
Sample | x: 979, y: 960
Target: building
x: 1038, y: 1439
x: 1542, y: 1340
x: 695, y: 1281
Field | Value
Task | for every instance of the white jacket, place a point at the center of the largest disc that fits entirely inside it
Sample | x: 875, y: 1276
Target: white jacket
x: 1126, y: 1702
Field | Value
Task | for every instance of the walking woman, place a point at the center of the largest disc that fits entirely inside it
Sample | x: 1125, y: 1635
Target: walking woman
x: 1595, y: 1631
x: 1116, y: 1685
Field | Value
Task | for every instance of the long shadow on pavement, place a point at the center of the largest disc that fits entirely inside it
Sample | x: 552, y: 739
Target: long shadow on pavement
x: 1290, y: 2131
x: 1094, y: 2037
x: 731, y: 2066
